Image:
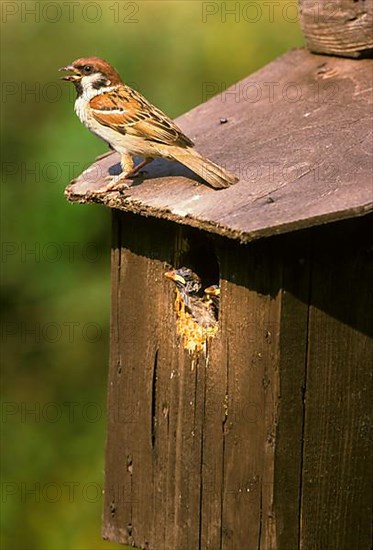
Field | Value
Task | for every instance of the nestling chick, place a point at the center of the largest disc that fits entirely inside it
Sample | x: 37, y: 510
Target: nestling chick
x: 189, y: 286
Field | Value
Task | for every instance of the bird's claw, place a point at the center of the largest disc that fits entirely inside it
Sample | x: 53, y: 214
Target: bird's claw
x: 116, y: 180
x: 115, y: 183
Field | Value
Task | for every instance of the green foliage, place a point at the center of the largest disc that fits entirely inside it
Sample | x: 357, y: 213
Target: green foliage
x: 55, y: 261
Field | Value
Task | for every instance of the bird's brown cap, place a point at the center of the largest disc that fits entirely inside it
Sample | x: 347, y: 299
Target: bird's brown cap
x: 85, y: 66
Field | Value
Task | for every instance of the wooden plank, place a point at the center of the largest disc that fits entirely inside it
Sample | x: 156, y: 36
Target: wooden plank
x: 155, y: 402
x: 118, y: 504
x: 336, y: 498
x: 298, y: 135
x: 212, y: 473
x: 250, y: 329
x: 340, y: 27
x: 129, y: 485
x: 292, y: 370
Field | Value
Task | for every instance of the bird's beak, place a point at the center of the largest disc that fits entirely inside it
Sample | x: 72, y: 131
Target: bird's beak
x: 175, y: 277
x: 71, y: 77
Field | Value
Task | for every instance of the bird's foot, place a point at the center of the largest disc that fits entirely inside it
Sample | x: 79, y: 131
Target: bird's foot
x: 121, y: 179
x: 115, y: 183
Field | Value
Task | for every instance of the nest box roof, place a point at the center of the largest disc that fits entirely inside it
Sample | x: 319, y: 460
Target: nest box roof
x: 298, y: 133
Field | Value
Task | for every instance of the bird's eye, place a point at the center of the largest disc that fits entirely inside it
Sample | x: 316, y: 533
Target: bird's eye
x: 87, y: 69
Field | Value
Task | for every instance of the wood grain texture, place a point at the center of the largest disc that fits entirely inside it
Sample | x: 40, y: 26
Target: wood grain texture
x: 251, y: 304
x: 340, y: 27
x: 190, y: 447
x: 153, y: 459
x: 264, y: 442
x: 293, y: 329
x: 336, y: 472
x: 299, y: 136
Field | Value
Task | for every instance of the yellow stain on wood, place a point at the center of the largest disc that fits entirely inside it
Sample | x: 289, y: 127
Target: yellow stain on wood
x: 193, y: 335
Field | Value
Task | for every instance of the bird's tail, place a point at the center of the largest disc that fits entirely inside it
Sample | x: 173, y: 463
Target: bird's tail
x: 215, y: 175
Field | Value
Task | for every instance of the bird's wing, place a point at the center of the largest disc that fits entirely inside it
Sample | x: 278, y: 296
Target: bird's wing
x: 128, y: 112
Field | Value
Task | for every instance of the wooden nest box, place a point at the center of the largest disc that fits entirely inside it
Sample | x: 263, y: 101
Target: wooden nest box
x: 259, y: 440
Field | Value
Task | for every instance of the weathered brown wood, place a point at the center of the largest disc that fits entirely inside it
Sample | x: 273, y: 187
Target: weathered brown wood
x: 130, y: 387
x: 293, y: 334
x: 264, y: 443
x: 189, y: 488
x: 250, y: 323
x: 298, y: 135
x: 338, y: 27
x: 336, y: 498
x: 214, y: 419
x: 153, y: 460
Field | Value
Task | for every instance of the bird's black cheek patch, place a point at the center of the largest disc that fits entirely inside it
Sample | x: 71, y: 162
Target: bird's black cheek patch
x: 99, y: 83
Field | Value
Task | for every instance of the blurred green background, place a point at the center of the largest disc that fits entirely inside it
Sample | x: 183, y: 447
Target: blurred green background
x: 56, y: 257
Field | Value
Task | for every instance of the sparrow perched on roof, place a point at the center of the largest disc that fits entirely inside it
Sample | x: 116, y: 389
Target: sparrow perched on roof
x: 131, y: 125
x: 189, y: 286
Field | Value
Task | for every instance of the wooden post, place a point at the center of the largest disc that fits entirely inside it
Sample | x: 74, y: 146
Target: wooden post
x: 338, y: 27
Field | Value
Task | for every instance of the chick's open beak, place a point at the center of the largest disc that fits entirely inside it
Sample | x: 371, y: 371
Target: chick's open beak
x: 70, y: 77
x: 174, y: 276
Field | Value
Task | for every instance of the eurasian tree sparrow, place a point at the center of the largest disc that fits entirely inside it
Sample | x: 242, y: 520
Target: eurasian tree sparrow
x: 131, y: 125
